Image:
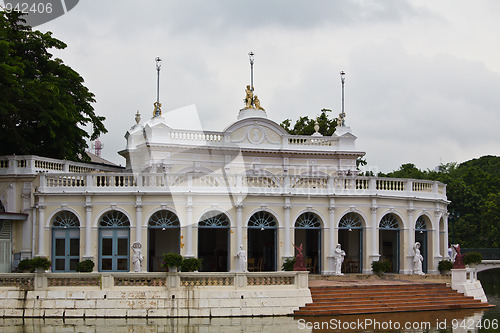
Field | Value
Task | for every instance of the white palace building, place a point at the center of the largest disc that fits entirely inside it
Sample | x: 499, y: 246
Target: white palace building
x: 203, y: 194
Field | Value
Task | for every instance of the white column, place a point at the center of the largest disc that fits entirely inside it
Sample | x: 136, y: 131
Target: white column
x: 189, y: 228
x: 333, y: 239
x: 287, y: 236
x: 374, y: 255
x: 41, y: 229
x: 88, y: 229
x: 411, y: 243
x: 138, y: 219
x: 445, y: 237
x: 435, y: 246
x: 239, y: 226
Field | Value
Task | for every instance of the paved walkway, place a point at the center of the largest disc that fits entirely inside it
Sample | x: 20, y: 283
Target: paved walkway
x: 368, y: 279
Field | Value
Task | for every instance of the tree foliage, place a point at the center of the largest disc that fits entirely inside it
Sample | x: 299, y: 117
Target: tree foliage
x: 43, y: 102
x: 473, y: 188
x: 305, y: 125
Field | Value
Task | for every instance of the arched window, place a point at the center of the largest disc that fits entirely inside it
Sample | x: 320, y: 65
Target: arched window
x: 214, y: 219
x: 421, y: 225
x: 213, y: 242
x: 262, y: 220
x: 65, y: 241
x: 164, y: 236
x: 308, y: 220
x: 262, y: 240
x: 114, y: 219
x: 114, y: 239
x: 389, y: 221
x: 164, y: 219
x: 351, y: 221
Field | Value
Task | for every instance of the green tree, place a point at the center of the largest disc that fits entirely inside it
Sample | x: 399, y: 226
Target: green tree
x: 305, y: 125
x: 44, y: 105
x: 473, y: 188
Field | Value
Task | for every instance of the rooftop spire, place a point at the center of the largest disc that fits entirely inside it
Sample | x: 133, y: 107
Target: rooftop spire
x: 157, y: 104
x: 341, y: 121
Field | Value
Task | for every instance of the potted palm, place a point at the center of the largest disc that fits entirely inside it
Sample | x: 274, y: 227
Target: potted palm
x: 40, y: 264
x: 172, y: 261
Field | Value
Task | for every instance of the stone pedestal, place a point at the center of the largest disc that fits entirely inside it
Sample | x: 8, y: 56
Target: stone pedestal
x: 464, y: 280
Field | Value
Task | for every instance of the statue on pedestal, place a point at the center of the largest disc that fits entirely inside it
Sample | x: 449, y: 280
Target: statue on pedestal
x: 338, y: 257
x: 417, y: 260
x: 299, y: 260
x: 242, y: 260
x: 249, y: 97
x: 157, y: 110
x: 137, y: 257
x: 257, y: 103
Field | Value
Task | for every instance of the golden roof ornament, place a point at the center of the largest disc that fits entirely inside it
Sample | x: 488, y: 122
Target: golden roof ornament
x: 251, y: 101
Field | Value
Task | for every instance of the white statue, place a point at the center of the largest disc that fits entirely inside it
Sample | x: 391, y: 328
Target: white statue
x: 242, y: 260
x: 138, y: 257
x: 417, y: 260
x: 338, y: 257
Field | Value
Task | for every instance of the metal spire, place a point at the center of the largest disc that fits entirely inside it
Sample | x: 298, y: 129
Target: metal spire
x: 157, y: 104
x: 342, y: 79
x: 250, y: 55
x: 158, y: 67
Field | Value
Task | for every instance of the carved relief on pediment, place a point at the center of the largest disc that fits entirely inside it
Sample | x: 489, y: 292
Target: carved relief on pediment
x: 255, y: 135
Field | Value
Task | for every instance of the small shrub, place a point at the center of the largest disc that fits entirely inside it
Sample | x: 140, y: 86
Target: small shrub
x: 288, y: 264
x: 472, y: 258
x: 381, y: 267
x: 41, y: 262
x: 25, y: 265
x: 171, y: 260
x: 445, y: 265
x: 190, y: 264
x: 85, y: 266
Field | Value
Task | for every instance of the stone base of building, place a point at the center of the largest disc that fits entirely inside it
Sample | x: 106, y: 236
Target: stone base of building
x: 155, y: 295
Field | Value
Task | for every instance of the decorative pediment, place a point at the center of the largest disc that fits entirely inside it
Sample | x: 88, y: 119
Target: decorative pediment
x: 256, y: 132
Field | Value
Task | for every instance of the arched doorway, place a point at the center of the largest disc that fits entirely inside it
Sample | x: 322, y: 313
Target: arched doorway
x: 421, y: 237
x: 351, y: 240
x: 213, y: 242
x: 308, y: 233
x: 389, y: 241
x: 262, y: 239
x: 114, y: 239
x: 164, y: 236
x: 65, y: 242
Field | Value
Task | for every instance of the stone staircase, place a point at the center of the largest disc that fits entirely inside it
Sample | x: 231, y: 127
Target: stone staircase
x: 357, y: 299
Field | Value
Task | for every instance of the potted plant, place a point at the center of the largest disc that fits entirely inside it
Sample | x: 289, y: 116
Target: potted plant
x: 40, y: 264
x: 472, y: 259
x: 191, y: 264
x: 381, y: 267
x: 172, y: 261
x: 85, y: 266
x: 445, y: 266
x: 25, y: 266
x: 288, y: 264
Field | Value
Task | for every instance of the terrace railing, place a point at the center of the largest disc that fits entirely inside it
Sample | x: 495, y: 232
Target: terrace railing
x: 240, y: 184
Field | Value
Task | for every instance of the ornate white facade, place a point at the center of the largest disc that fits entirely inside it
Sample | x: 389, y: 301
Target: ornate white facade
x: 203, y: 194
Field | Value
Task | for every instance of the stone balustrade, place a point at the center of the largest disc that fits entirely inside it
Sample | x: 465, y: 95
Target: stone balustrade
x: 238, y: 183
x: 110, y: 281
x: 32, y: 164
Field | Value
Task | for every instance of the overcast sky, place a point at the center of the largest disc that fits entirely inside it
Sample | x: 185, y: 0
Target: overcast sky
x: 422, y: 77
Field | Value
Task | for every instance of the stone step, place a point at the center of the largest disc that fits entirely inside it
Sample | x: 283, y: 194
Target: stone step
x: 336, y: 300
x: 408, y: 308
x: 399, y: 303
x: 322, y: 302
